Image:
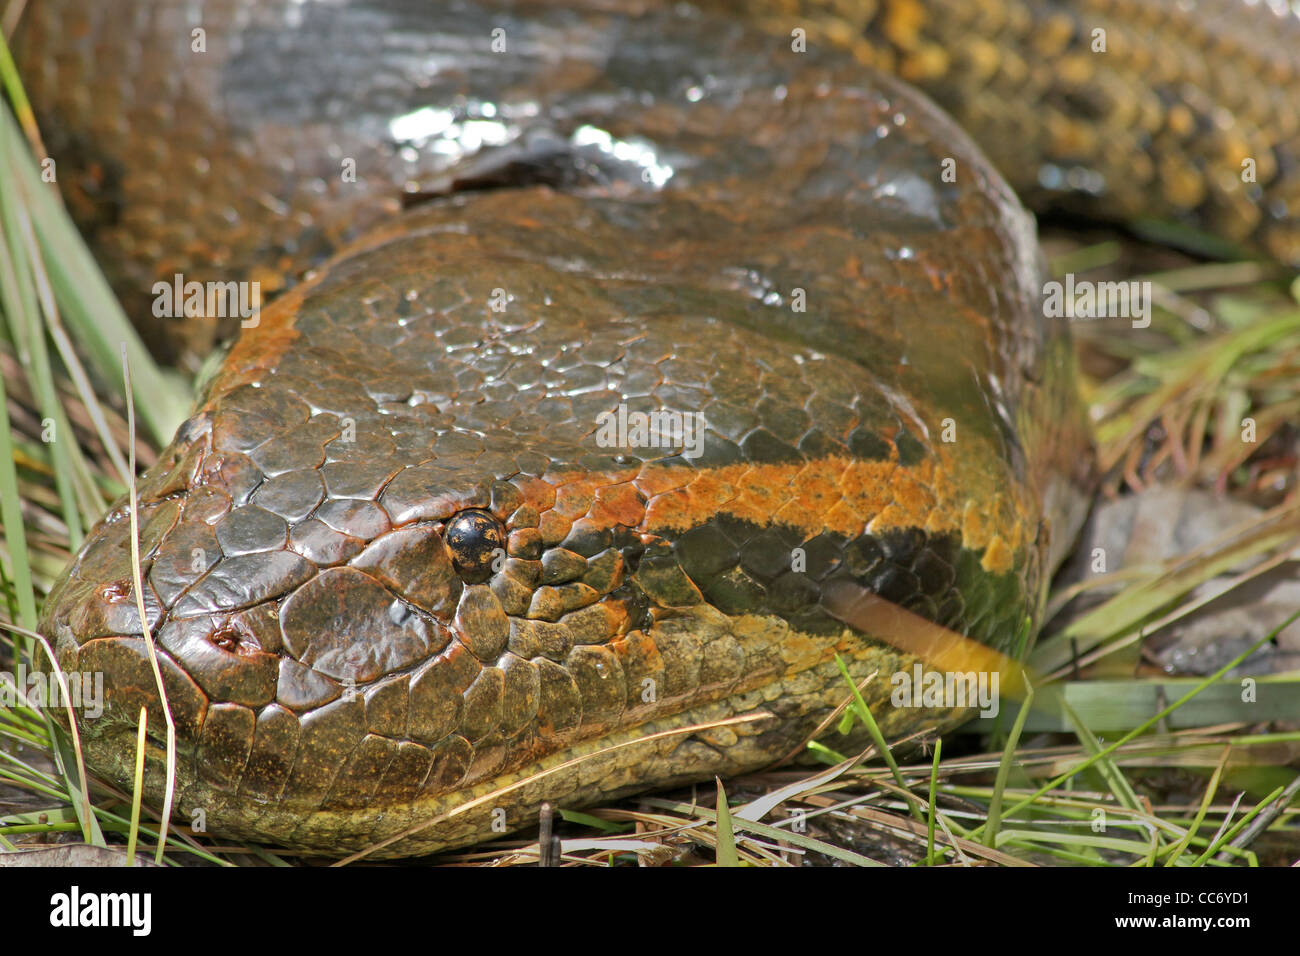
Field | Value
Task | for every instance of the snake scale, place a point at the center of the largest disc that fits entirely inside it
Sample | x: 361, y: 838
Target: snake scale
x: 403, y: 583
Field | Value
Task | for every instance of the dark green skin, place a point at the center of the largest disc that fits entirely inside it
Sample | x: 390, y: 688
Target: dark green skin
x: 343, y: 671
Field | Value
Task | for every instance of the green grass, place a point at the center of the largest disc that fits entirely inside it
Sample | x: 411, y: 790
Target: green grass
x: 1076, y: 779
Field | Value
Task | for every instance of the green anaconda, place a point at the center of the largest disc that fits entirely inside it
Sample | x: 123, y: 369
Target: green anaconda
x: 634, y: 331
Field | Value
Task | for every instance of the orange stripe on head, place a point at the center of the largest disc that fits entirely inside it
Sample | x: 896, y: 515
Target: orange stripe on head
x: 839, y: 495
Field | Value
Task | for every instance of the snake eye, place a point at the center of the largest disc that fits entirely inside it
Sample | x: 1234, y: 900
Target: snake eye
x: 474, y: 539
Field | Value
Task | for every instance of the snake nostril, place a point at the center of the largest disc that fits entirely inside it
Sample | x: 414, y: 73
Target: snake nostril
x: 475, y: 538
x: 226, y: 637
x: 115, y: 593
